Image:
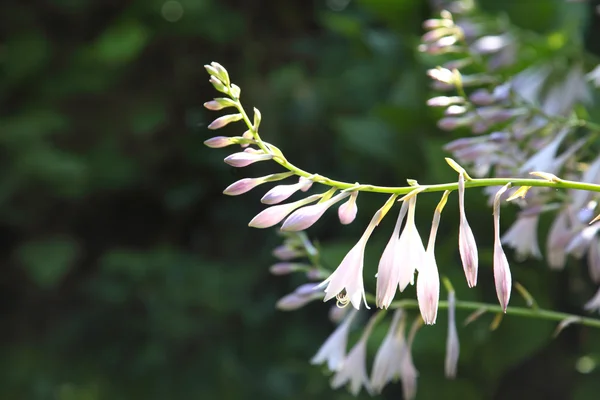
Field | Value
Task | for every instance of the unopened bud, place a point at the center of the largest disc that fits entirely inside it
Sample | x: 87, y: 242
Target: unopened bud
x: 217, y: 84
x: 305, y: 217
x: 303, y: 295
x: 219, y: 104
x: 347, y: 211
x: 243, y: 159
x: 286, y: 253
x: 221, y: 72
x: 235, y: 91
x: 224, y: 120
x: 273, y: 215
x: 218, y: 142
x: 445, y: 101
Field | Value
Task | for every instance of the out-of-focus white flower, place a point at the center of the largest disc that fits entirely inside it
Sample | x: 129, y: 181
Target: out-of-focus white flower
x: 333, y: 351
x: 502, y: 275
x: 544, y: 160
x: 466, y: 240
x: 408, y: 371
x: 410, y: 248
x: 593, y: 260
x: 522, y: 235
x: 558, y: 238
x: 388, y: 271
x: 354, y: 366
x: 452, y: 343
x: 388, y: 360
x: 580, y: 241
x: 594, y: 76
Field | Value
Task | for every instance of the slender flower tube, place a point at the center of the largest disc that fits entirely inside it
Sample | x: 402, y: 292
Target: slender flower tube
x: 388, y: 272
x: 428, y: 279
x: 452, y: 343
x: 388, y: 360
x: 274, y: 214
x: 502, y: 275
x: 466, y: 240
x: 246, y: 184
x: 347, y: 211
x: 283, y: 192
x: 410, y: 248
x: 354, y: 367
x: 346, y: 282
x: 245, y: 158
x: 305, y: 217
x: 333, y: 351
x: 593, y: 261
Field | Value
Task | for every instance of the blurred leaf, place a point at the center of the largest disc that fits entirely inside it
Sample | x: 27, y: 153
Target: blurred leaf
x: 48, y: 261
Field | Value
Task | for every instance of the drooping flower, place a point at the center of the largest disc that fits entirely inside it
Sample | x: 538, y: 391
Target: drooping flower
x: 346, y: 282
x: 347, y: 211
x: 410, y: 248
x: 466, y: 240
x: 354, y: 367
x: 502, y: 275
x: 388, y: 360
x: 544, y: 160
x: 522, y: 235
x: 558, y: 238
x: 408, y: 371
x: 388, y: 271
x: 282, y: 192
x: 303, y: 295
x: 274, y: 214
x: 333, y: 350
x: 581, y: 240
x: 305, y: 217
x: 452, y: 343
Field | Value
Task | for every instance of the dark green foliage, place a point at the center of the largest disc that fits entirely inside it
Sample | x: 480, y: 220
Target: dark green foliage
x: 128, y: 275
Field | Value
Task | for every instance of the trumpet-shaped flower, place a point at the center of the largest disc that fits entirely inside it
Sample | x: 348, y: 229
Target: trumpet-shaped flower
x: 333, y: 350
x: 346, y: 282
x: 305, y: 217
x: 388, y: 360
x: 466, y: 240
x: 274, y: 214
x: 354, y: 367
x: 347, y: 211
x: 410, y: 248
x: 502, y: 275
x: 388, y: 272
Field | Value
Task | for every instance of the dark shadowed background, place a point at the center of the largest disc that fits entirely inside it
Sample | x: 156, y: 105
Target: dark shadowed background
x: 126, y: 274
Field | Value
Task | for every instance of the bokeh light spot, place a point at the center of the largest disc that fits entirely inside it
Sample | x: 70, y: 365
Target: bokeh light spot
x: 172, y: 11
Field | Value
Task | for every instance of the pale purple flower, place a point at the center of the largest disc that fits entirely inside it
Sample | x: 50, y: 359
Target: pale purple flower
x: 219, y: 104
x: 286, y: 267
x: 580, y: 241
x: 224, y: 120
x: 282, y: 192
x: 466, y: 240
x: 594, y: 303
x: 246, y: 184
x: 594, y: 76
x: 347, y: 211
x: 579, y: 198
x: 245, y: 158
x: 522, y: 235
x: 346, y: 282
x: 410, y: 248
x: 388, y: 360
x: 388, y: 271
x: 300, y: 297
x: 502, y: 275
x: 305, y: 217
x: 354, y: 367
x: 452, y: 342
x: 333, y: 350
x: 287, y: 252
x: 558, y: 238
x: 428, y: 288
x: 274, y: 214
x: 336, y: 314
x: 545, y: 159
x: 408, y: 371
x: 219, y: 142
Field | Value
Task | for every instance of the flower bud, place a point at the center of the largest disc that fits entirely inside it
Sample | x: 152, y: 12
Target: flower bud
x: 305, y: 217
x: 455, y: 110
x: 217, y: 84
x: 282, y: 192
x: 347, y: 211
x: 303, y: 295
x: 444, y: 101
x: 452, y: 343
x: 242, y: 186
x: 466, y: 240
x: 285, y: 268
x: 482, y: 97
x: 221, y: 72
x: 235, y: 91
x: 502, y: 275
x: 442, y: 75
x: 273, y: 215
x: 286, y: 253
x: 218, y: 142
x: 219, y: 104
x: 224, y: 120
x: 244, y: 158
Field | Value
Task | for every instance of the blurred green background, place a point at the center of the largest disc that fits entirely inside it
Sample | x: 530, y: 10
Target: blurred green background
x: 126, y: 274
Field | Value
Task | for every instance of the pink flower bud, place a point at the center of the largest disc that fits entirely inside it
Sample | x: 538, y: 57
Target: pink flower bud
x: 285, y: 268
x: 445, y: 101
x: 219, y: 104
x: 243, y: 158
x: 347, y: 211
x: 303, y: 295
x: 502, y: 275
x: 242, y: 186
x: 273, y: 215
x: 482, y: 97
x: 224, y: 120
x: 282, y: 192
x: 285, y: 252
x: 305, y: 217
x: 218, y: 142
x: 466, y: 240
